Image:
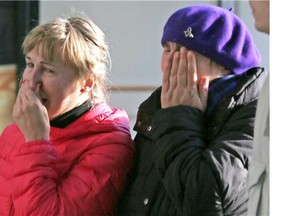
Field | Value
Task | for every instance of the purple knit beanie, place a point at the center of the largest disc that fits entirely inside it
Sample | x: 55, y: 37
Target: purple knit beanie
x: 216, y: 33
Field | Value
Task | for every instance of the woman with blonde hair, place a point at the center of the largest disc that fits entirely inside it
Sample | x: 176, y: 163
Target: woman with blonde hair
x: 68, y: 151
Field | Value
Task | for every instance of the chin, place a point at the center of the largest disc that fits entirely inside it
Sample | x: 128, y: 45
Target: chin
x: 260, y: 28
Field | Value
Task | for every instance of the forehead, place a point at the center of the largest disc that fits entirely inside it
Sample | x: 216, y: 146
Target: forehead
x: 176, y: 47
x: 41, y: 53
x: 37, y: 56
x: 173, y: 45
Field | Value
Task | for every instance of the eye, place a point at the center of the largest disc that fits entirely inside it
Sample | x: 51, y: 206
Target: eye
x: 166, y: 49
x: 47, y: 70
x: 29, y: 65
x: 178, y: 47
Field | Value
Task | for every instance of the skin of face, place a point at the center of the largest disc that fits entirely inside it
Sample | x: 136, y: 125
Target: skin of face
x: 186, y: 75
x: 205, y: 67
x: 60, y: 89
x: 260, y: 11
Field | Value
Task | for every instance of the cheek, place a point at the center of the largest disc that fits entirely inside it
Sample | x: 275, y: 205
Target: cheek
x: 61, y: 97
x: 202, y: 65
x: 201, y: 72
x: 65, y: 89
x: 56, y: 90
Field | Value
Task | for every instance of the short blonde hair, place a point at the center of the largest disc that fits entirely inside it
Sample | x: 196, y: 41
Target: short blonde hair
x: 81, y: 44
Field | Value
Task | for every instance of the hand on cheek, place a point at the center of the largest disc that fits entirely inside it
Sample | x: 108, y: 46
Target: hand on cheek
x: 181, y: 85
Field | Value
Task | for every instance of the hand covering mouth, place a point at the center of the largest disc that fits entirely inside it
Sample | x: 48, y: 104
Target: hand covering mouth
x: 41, y: 97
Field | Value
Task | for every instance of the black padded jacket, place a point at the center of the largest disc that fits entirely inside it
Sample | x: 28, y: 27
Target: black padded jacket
x: 189, y: 164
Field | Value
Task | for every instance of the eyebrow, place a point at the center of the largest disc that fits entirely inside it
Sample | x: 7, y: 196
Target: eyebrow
x: 42, y: 62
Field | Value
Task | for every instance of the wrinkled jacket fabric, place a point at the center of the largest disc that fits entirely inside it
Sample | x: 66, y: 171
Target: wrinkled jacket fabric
x: 189, y: 164
x: 80, y: 171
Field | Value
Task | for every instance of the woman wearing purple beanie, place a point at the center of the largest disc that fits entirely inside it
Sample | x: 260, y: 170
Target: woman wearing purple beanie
x: 195, y: 134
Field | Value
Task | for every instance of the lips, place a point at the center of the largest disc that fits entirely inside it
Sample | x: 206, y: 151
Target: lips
x: 44, y: 101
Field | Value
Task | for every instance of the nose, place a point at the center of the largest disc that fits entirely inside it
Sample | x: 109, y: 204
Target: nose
x: 35, y: 78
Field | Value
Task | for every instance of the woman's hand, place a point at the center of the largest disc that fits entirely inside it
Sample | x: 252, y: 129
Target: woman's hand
x: 180, y: 84
x: 30, y: 115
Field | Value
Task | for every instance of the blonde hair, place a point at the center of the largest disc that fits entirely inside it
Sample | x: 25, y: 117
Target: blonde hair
x: 81, y: 44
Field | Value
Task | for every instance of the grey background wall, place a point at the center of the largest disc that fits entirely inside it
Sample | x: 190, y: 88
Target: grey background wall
x: 133, y: 30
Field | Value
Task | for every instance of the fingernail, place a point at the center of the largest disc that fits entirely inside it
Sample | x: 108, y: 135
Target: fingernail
x: 205, y: 81
x: 22, y: 82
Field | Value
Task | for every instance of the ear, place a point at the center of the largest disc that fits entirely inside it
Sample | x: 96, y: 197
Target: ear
x: 87, y: 85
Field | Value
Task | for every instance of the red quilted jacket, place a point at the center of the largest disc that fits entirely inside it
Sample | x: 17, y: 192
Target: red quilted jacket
x: 80, y: 171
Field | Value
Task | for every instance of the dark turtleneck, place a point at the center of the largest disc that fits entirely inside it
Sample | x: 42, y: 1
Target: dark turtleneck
x: 65, y: 119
